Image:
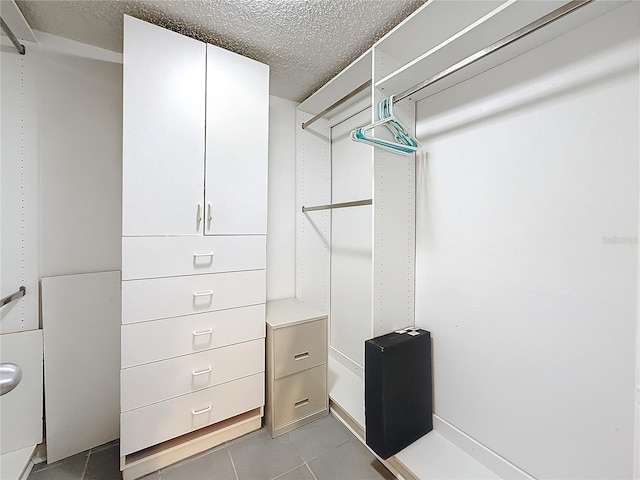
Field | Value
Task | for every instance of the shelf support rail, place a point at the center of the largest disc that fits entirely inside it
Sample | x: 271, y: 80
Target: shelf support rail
x: 14, y: 296
x: 331, y: 206
x: 543, y: 21
x: 335, y: 105
x: 12, y: 37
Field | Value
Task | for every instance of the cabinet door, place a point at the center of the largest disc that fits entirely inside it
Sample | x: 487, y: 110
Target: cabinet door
x: 163, y: 131
x: 237, y: 144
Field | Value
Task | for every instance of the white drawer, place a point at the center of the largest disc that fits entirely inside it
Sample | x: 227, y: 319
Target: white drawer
x: 146, y: 426
x: 152, y: 257
x: 171, y: 297
x: 154, y: 382
x: 300, y: 395
x: 299, y: 347
x: 161, y: 339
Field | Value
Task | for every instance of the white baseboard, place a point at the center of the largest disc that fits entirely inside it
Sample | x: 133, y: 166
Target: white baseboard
x: 494, y: 462
x: 17, y: 465
x: 346, y: 361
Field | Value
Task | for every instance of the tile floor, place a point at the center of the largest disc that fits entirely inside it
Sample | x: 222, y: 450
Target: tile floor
x: 322, y: 450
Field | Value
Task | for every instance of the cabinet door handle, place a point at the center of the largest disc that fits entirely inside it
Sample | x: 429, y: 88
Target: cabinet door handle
x: 301, y: 403
x: 198, y: 255
x: 209, y: 214
x: 203, y: 294
x: 199, y: 215
x: 301, y: 356
x: 208, y: 331
x: 201, y: 372
x: 202, y: 410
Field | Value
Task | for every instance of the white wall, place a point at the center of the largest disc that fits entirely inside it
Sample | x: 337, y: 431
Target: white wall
x: 80, y: 130
x: 351, y: 246
x: 281, y: 266
x: 526, y: 269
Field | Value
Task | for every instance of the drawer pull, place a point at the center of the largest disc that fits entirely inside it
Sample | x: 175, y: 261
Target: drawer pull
x: 202, y: 410
x: 301, y: 403
x: 203, y: 294
x: 198, y: 255
x: 208, y: 331
x: 201, y: 372
x: 301, y: 356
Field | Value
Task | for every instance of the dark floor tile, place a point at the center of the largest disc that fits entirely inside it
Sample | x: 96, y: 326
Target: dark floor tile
x: 319, y: 437
x: 151, y: 476
x: 104, y: 464
x: 39, y: 466
x: 110, y: 444
x: 70, y: 468
x: 300, y: 473
x: 259, y: 457
x: 214, y: 465
x: 350, y: 461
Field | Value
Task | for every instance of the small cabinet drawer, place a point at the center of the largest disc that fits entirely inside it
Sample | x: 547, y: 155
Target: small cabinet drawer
x: 154, y: 382
x: 171, y: 297
x: 147, y: 426
x: 153, y: 257
x: 297, y: 396
x: 299, y: 347
x: 172, y: 337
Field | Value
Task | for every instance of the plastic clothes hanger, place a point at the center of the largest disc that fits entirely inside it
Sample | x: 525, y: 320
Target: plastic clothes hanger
x: 405, y: 143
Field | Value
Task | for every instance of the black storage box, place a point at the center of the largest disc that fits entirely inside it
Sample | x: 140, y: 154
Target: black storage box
x: 398, y: 391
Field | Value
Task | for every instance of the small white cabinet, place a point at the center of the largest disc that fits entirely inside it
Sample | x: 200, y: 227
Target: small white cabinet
x: 193, y: 247
x: 296, y: 365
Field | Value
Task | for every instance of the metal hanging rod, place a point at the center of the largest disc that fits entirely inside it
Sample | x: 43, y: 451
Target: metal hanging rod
x: 14, y: 296
x: 331, y: 206
x: 347, y: 97
x: 14, y: 40
x: 500, y: 44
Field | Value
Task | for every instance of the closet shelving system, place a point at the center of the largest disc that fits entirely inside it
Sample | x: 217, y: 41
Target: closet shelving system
x: 20, y: 339
x: 437, y: 47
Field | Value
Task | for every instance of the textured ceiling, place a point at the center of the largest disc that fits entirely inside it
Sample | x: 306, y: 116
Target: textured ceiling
x: 305, y: 42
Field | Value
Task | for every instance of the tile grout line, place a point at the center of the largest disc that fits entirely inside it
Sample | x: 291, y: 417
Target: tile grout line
x: 86, y: 464
x: 289, y: 471
x: 232, y: 462
x: 312, y: 474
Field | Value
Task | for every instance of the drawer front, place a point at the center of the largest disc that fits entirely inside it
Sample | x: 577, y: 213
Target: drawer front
x: 162, y: 421
x: 171, y: 297
x: 300, y: 395
x: 172, y: 337
x: 158, y: 381
x: 299, y: 347
x: 152, y: 257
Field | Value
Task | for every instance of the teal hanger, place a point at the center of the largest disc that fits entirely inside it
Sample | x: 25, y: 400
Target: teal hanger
x: 405, y: 143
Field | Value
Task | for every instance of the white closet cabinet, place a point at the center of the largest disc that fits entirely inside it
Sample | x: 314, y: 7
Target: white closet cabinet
x: 183, y: 178
x: 193, y: 247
